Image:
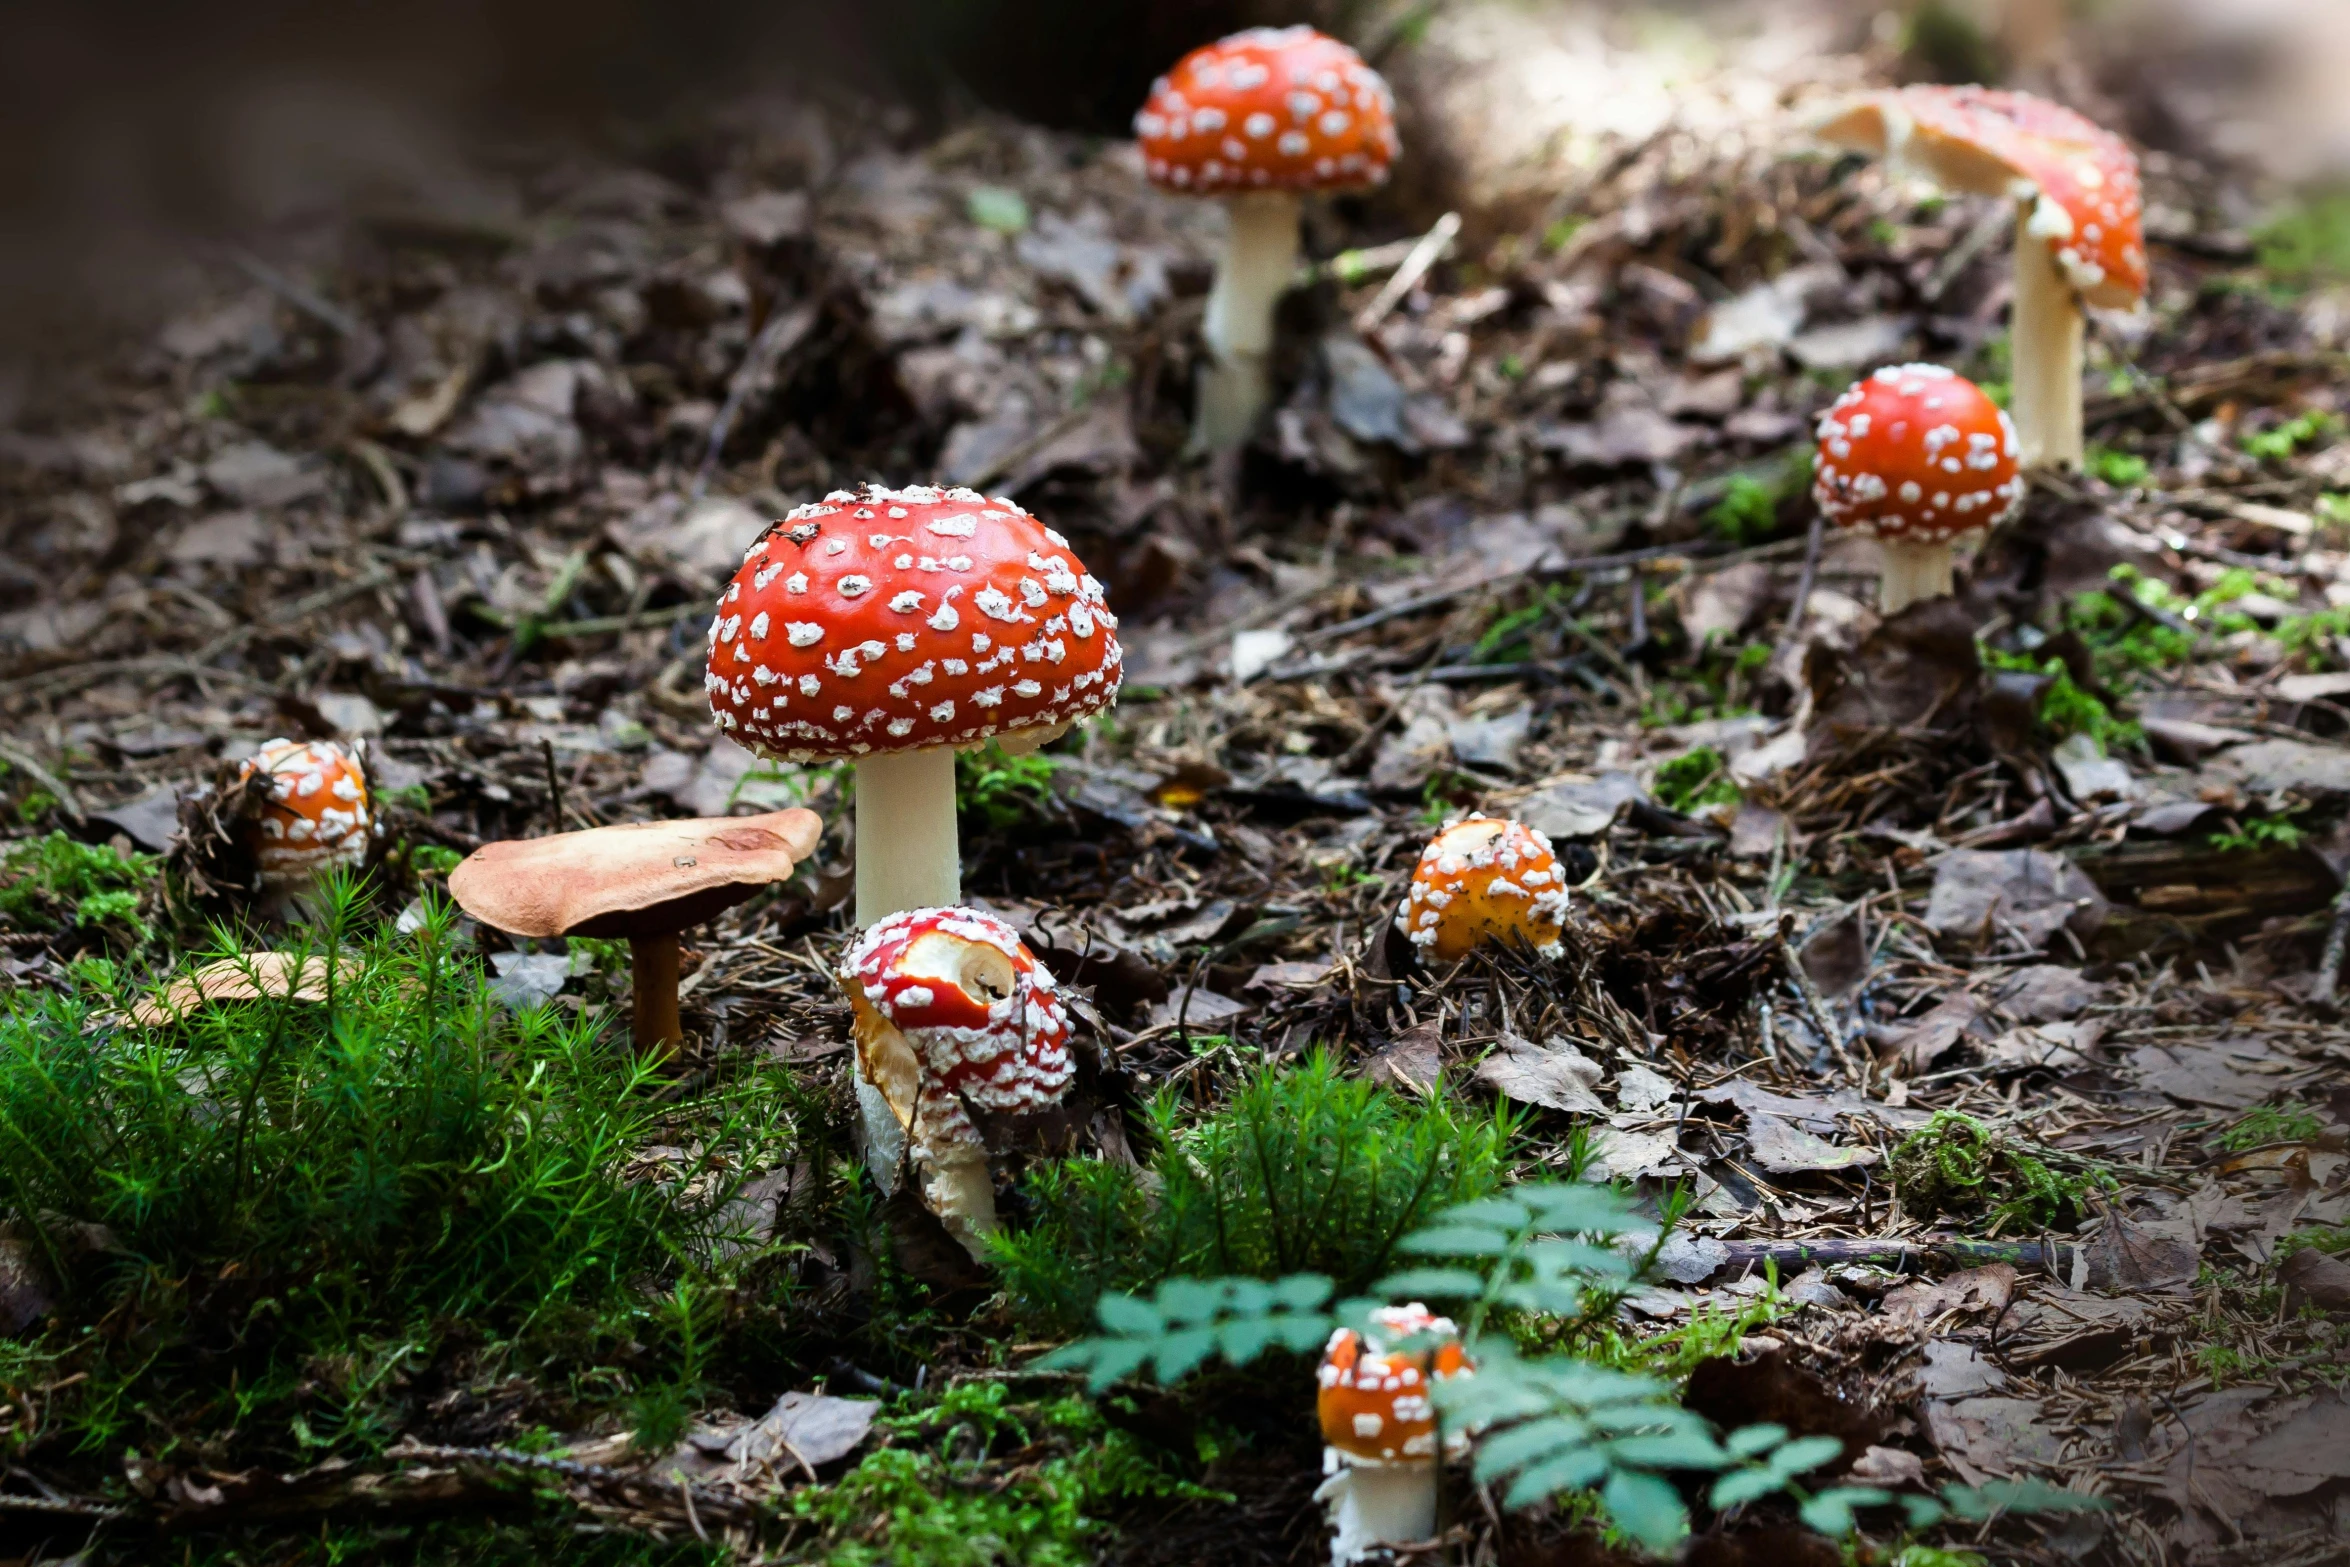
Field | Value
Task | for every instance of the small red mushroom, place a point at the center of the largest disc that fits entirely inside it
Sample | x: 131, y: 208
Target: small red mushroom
x: 1260, y: 119
x: 1484, y: 879
x: 1379, y: 1426
x: 1917, y: 456
x: 316, y: 816
x: 952, y: 1013
x: 2080, y: 232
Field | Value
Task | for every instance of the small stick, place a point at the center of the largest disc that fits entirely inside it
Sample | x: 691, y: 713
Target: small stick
x: 1424, y: 255
x: 1786, y: 1255
x: 1817, y: 1006
x: 1803, y: 585
x: 554, y: 783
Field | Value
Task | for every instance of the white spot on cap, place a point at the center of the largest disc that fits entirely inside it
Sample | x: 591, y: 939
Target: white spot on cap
x: 803, y: 633
x: 854, y: 586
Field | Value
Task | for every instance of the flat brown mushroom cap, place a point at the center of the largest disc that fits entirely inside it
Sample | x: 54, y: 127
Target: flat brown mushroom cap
x: 639, y: 879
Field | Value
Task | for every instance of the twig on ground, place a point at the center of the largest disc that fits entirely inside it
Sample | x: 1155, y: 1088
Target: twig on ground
x: 1423, y: 255
x: 2329, y: 964
x: 1899, y: 1255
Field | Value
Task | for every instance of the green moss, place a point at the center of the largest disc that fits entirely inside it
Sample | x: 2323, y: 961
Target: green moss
x: 1303, y: 1168
x: 2307, y: 247
x: 1748, y: 511
x: 975, y: 1479
x: 2280, y: 443
x: 1694, y: 781
x: 2262, y: 1125
x: 2122, y: 470
x: 1956, y: 1165
x: 2068, y: 710
x: 47, y: 883
x: 1001, y: 789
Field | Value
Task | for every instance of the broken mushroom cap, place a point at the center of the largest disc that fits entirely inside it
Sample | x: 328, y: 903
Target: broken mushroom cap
x: 1485, y: 879
x: 1916, y: 452
x: 2081, y: 179
x: 316, y: 815
x: 635, y: 880
x: 952, y: 1013
x: 1271, y: 108
x: 980, y: 1011
x: 900, y: 620
x: 1374, y: 1399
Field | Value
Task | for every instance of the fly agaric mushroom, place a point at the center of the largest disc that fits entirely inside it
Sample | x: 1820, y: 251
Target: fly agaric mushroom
x: 1916, y: 456
x: 952, y: 1013
x: 2080, y: 232
x: 1260, y: 119
x: 316, y: 815
x: 1484, y: 879
x: 645, y: 881
x: 1379, y: 1427
x: 893, y: 628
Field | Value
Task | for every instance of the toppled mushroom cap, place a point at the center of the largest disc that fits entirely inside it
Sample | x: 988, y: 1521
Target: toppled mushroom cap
x: 1917, y: 452
x: 979, y: 1011
x: 1374, y: 1397
x: 638, y: 879
x: 1272, y: 108
x: 317, y: 814
x: 2082, y: 179
x: 1484, y: 879
x: 897, y: 620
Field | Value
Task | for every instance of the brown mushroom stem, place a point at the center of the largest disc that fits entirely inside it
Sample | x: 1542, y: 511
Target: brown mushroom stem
x: 1913, y: 569
x: 1260, y: 258
x: 2045, y: 338
x: 1374, y: 1505
x: 907, y: 855
x: 653, y: 1023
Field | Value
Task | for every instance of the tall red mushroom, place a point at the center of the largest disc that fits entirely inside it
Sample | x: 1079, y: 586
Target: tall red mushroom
x: 1919, y: 457
x: 1260, y: 119
x: 892, y: 628
x: 2080, y: 233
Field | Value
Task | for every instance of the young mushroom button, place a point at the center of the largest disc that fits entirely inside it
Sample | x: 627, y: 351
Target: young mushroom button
x: 316, y: 816
x: 1918, y: 457
x: 952, y: 1013
x: 1482, y: 879
x: 1378, y: 1420
x: 1258, y: 119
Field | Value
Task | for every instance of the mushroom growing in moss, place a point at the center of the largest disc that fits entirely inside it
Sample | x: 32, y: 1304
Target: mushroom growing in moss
x: 645, y: 881
x: 1379, y: 1427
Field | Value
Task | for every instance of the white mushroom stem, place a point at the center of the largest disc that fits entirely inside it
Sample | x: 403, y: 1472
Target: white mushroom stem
x: 952, y: 1168
x: 1260, y: 257
x: 1913, y: 569
x: 907, y: 854
x: 2045, y: 336
x: 1372, y: 1505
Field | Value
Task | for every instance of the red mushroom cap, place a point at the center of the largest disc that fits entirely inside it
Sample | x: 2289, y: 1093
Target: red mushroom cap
x: 896, y: 620
x: 1373, y: 1400
x: 1272, y: 108
x: 1916, y: 452
x: 317, y: 812
x: 2089, y: 205
x: 970, y: 997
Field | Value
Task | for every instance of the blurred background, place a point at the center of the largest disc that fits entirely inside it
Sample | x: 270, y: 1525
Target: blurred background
x: 136, y: 140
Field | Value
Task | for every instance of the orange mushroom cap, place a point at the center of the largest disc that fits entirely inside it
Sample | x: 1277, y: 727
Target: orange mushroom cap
x: 896, y: 620
x: 1272, y: 108
x: 2089, y: 206
x: 1373, y: 1399
x: 317, y: 812
x: 1484, y: 879
x: 1916, y: 452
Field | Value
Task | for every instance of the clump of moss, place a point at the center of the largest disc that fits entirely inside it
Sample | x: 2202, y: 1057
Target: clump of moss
x: 52, y: 882
x: 1694, y: 781
x: 1955, y: 1165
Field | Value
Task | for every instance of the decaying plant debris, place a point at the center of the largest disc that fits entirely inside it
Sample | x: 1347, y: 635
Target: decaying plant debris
x: 1971, y: 975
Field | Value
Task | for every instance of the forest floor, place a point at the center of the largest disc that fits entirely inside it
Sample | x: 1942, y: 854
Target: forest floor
x: 1528, y: 534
